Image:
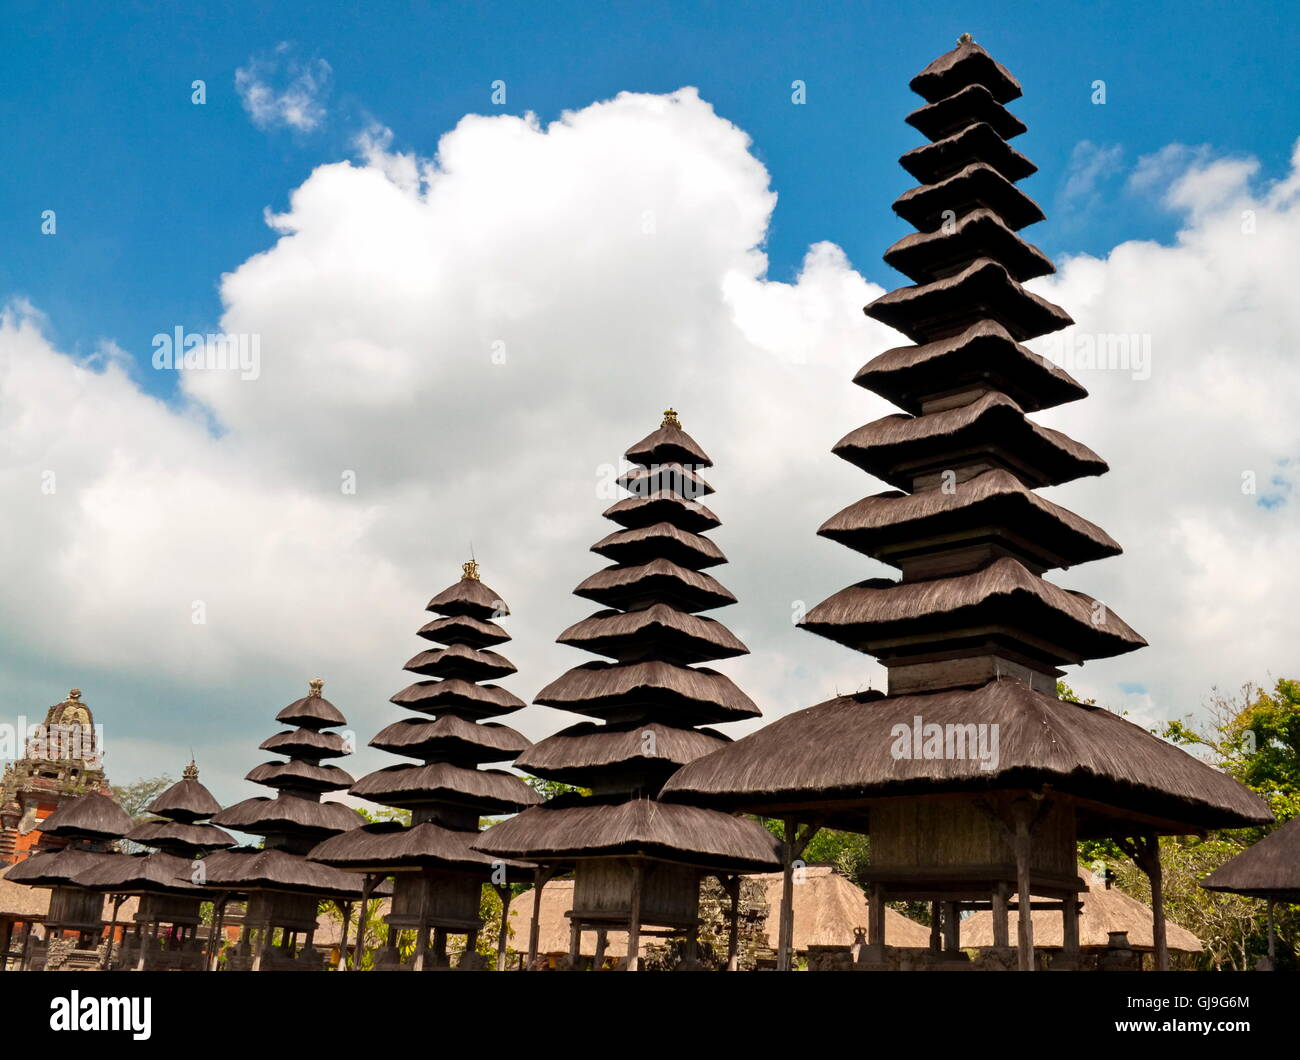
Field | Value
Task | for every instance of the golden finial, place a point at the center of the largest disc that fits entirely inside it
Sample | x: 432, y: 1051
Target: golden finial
x: 471, y: 570
x: 74, y: 695
x: 965, y: 38
x: 315, y: 684
x: 670, y: 419
x: 191, y: 771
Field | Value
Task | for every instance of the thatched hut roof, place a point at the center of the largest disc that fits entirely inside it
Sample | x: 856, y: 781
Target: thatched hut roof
x: 635, y: 513
x: 926, y: 256
x: 469, y: 597
x: 312, y: 712
x: 299, y: 774
x: 1268, y: 869
x: 644, y: 543
x: 451, y: 736
x: 600, y: 689
x: 306, y: 743
x: 659, y: 579
x: 486, y: 790
x: 186, y: 800
x: 460, y: 660
x: 180, y: 837
x: 840, y: 752
x: 245, y: 869
x: 456, y: 695
x: 668, y: 445
x: 288, y: 815
x: 391, y: 845
x: 966, y: 64
x: 924, y: 205
x: 154, y: 873
x: 464, y: 629
x: 974, y: 103
x: 828, y: 908
x: 91, y: 816
x: 1104, y: 910
x: 573, y: 753
x: 976, y: 142
x: 21, y: 901
x: 59, y: 868
x: 660, y: 629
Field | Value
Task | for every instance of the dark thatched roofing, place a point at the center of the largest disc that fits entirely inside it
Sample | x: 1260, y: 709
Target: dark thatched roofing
x: 1001, y: 594
x: 984, y: 354
x: 91, y: 816
x: 306, y: 743
x: 463, y: 629
x: 659, y: 540
x: 995, y: 499
x: 662, y: 629
x: 59, y: 868
x: 668, y: 445
x: 842, y: 751
x: 975, y: 143
x: 180, y: 837
x: 896, y: 448
x: 983, y: 289
x: 570, y: 828
x: 928, y: 256
x: 245, y: 870
x: 1268, y: 869
x: 186, y: 800
x: 458, y: 696
x: 974, y: 186
x: 156, y: 873
x: 289, y: 815
x: 966, y: 64
x: 487, y: 790
x: 662, y: 507
x: 660, y: 579
x: 451, y: 736
x: 469, y: 597
x: 974, y: 103
x: 678, y: 478
x: 589, y: 748
x: 601, y: 689
x: 299, y: 774
x: 391, y: 845
x: 460, y: 660
x: 312, y: 712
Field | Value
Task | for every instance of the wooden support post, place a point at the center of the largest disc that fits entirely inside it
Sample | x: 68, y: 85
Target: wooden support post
x: 1001, y: 925
x: 733, y: 924
x: 1070, y: 928
x: 503, y: 936
x: 634, y: 917
x: 368, y: 882
x: 1145, y: 852
x: 951, y: 927
x: 1024, y: 902
x: 602, y: 937
x: 440, y: 947
x: 785, y: 922
x: 936, y: 927
x: 346, y: 909
x: 575, y: 942
x: 693, y: 942
x: 876, y: 920
x: 107, y: 962
x: 540, y: 876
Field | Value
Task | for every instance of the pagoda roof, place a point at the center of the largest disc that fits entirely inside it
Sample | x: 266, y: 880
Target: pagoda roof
x: 589, y: 749
x: 90, y: 816
x: 464, y: 629
x: 289, y: 815
x: 57, y: 868
x: 660, y: 580
x: 186, y: 800
x: 299, y: 774
x: 974, y: 103
x: 927, y: 256
x: 974, y: 186
x: 676, y: 478
x: 389, y: 845
x: 306, y: 743
x: 898, y: 448
x: 932, y: 162
x: 875, y: 614
x: 839, y: 756
x: 245, y: 870
x: 984, y: 354
x: 668, y: 445
x: 313, y: 711
x: 179, y: 837
x: 468, y: 597
x: 989, y: 501
x: 460, y: 660
x: 486, y: 790
x: 600, y: 689
x: 154, y: 873
x: 662, y: 507
x: 1268, y: 869
x: 982, y: 290
x: 595, y: 826
x: 457, y: 696
x: 966, y: 64
x: 684, y: 637
x: 450, y: 735
x: 660, y: 541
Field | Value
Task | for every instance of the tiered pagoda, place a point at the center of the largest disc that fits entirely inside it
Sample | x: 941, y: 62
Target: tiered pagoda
x: 973, y: 779
x: 169, y: 912
x: 638, y: 861
x: 437, y: 877
x: 282, y: 887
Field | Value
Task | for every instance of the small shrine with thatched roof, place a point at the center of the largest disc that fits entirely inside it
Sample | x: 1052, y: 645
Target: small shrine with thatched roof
x: 1269, y: 869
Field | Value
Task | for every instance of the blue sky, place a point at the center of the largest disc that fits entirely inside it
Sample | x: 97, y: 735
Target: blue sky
x: 157, y: 197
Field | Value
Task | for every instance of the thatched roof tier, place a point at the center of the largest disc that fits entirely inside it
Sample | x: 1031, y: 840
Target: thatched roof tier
x: 186, y: 800
x: 306, y: 743
x: 457, y: 696
x: 993, y: 506
x: 829, y: 909
x: 659, y: 541
x: 974, y: 103
x: 840, y: 754
x: 1104, y: 910
x: 929, y: 256
x: 246, y: 869
x: 992, y: 429
x: 486, y: 790
x: 469, y: 597
x: 20, y: 901
x: 313, y: 711
x: 608, y: 690
x: 300, y: 775
x: 459, y: 660
x: 1268, y: 869
x: 932, y: 162
x: 668, y: 445
x: 1003, y: 598
x: 90, y: 816
x: 659, y: 580
x: 587, y: 751
x: 967, y: 64
x: 450, y: 737
x: 982, y: 357
x: 390, y: 845
x: 180, y: 838
x: 154, y: 873
x: 673, y: 478
x: 662, y: 507
x: 977, y: 185
x: 570, y: 828
x: 59, y: 868
x: 982, y: 290
x: 290, y: 816
x: 463, y: 629
x: 658, y: 631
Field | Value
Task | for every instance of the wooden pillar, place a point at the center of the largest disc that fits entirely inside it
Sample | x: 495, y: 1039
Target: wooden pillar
x: 1272, y: 938
x: 876, y: 920
x: 534, y: 927
x: 785, y: 924
x: 602, y: 937
x: 1001, y: 924
x: 368, y: 883
x: 733, y: 925
x: 936, y: 925
x: 951, y: 927
x: 575, y: 943
x: 634, y: 918
x: 1145, y: 851
x: 107, y: 962
x: 1070, y: 927
x: 503, y: 936
x: 440, y: 947
x: 693, y: 942
x: 1024, y: 918
x: 346, y: 909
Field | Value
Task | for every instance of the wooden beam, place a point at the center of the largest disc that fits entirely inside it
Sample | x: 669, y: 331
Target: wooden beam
x: 1070, y: 927
x: 368, y: 883
x: 346, y: 909
x: 951, y: 928
x: 1025, y: 939
x: 1001, y: 921
x: 1145, y: 852
x: 540, y: 876
x: 575, y: 942
x: 936, y: 927
x: 634, y: 917
x: 503, y: 936
x: 602, y: 937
